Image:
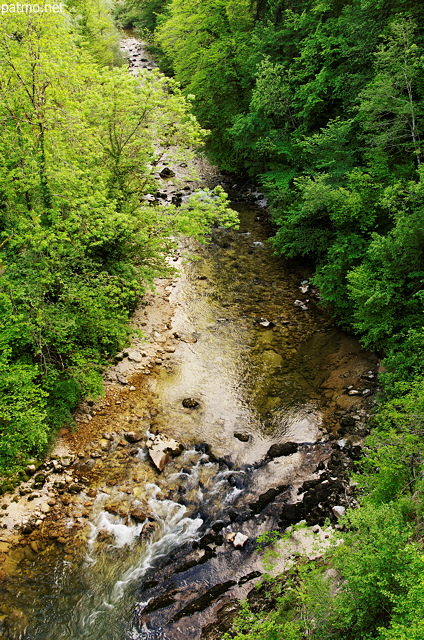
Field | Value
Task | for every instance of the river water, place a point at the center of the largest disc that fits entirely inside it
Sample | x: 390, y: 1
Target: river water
x: 264, y: 365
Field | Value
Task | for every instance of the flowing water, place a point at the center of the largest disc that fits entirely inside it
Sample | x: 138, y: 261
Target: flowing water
x: 258, y: 365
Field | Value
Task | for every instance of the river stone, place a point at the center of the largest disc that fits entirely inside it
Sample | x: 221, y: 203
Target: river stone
x: 39, y: 481
x: 66, y: 460
x: 167, y: 173
x: 135, y: 356
x: 133, y: 436
x: 339, y: 511
x: 243, y: 437
x: 75, y: 487
x: 282, y: 449
x: 184, y: 336
x: 161, y: 449
x: 240, y: 540
x: 138, y: 515
x: 190, y: 403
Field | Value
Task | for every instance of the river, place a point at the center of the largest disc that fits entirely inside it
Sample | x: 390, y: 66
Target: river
x: 246, y: 360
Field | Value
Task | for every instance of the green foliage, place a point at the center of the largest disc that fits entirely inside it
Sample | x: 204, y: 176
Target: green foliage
x: 78, y: 246
x: 141, y: 16
x: 22, y: 413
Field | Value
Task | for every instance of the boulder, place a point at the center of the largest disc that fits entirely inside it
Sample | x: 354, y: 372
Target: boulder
x: 161, y: 449
x: 167, y: 173
x: 282, y: 449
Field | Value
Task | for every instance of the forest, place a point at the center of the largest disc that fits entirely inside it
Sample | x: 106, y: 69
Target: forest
x: 321, y: 102
x: 78, y: 244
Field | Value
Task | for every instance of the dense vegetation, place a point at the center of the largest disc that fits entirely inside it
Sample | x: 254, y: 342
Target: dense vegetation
x: 80, y: 140
x: 322, y: 102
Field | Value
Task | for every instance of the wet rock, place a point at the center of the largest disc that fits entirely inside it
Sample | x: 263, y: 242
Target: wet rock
x: 133, y: 436
x: 161, y: 449
x: 149, y: 529
x: 28, y: 527
x: 105, y: 445
x: 105, y: 536
x: 87, y: 464
x: 39, y: 481
x: 116, y: 509
x: 196, y: 557
x: 190, y: 403
x: 76, y: 487
x: 204, y: 601
x: 236, y: 480
x: 160, y: 602
x: 243, y: 437
x: 266, y: 498
x: 209, y: 538
x: 138, y: 515
x: 282, y: 449
x: 166, y: 173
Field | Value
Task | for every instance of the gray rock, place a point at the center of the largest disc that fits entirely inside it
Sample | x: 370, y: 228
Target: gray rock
x: 339, y: 511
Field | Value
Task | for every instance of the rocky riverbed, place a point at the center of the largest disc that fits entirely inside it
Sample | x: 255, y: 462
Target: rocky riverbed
x: 124, y: 533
